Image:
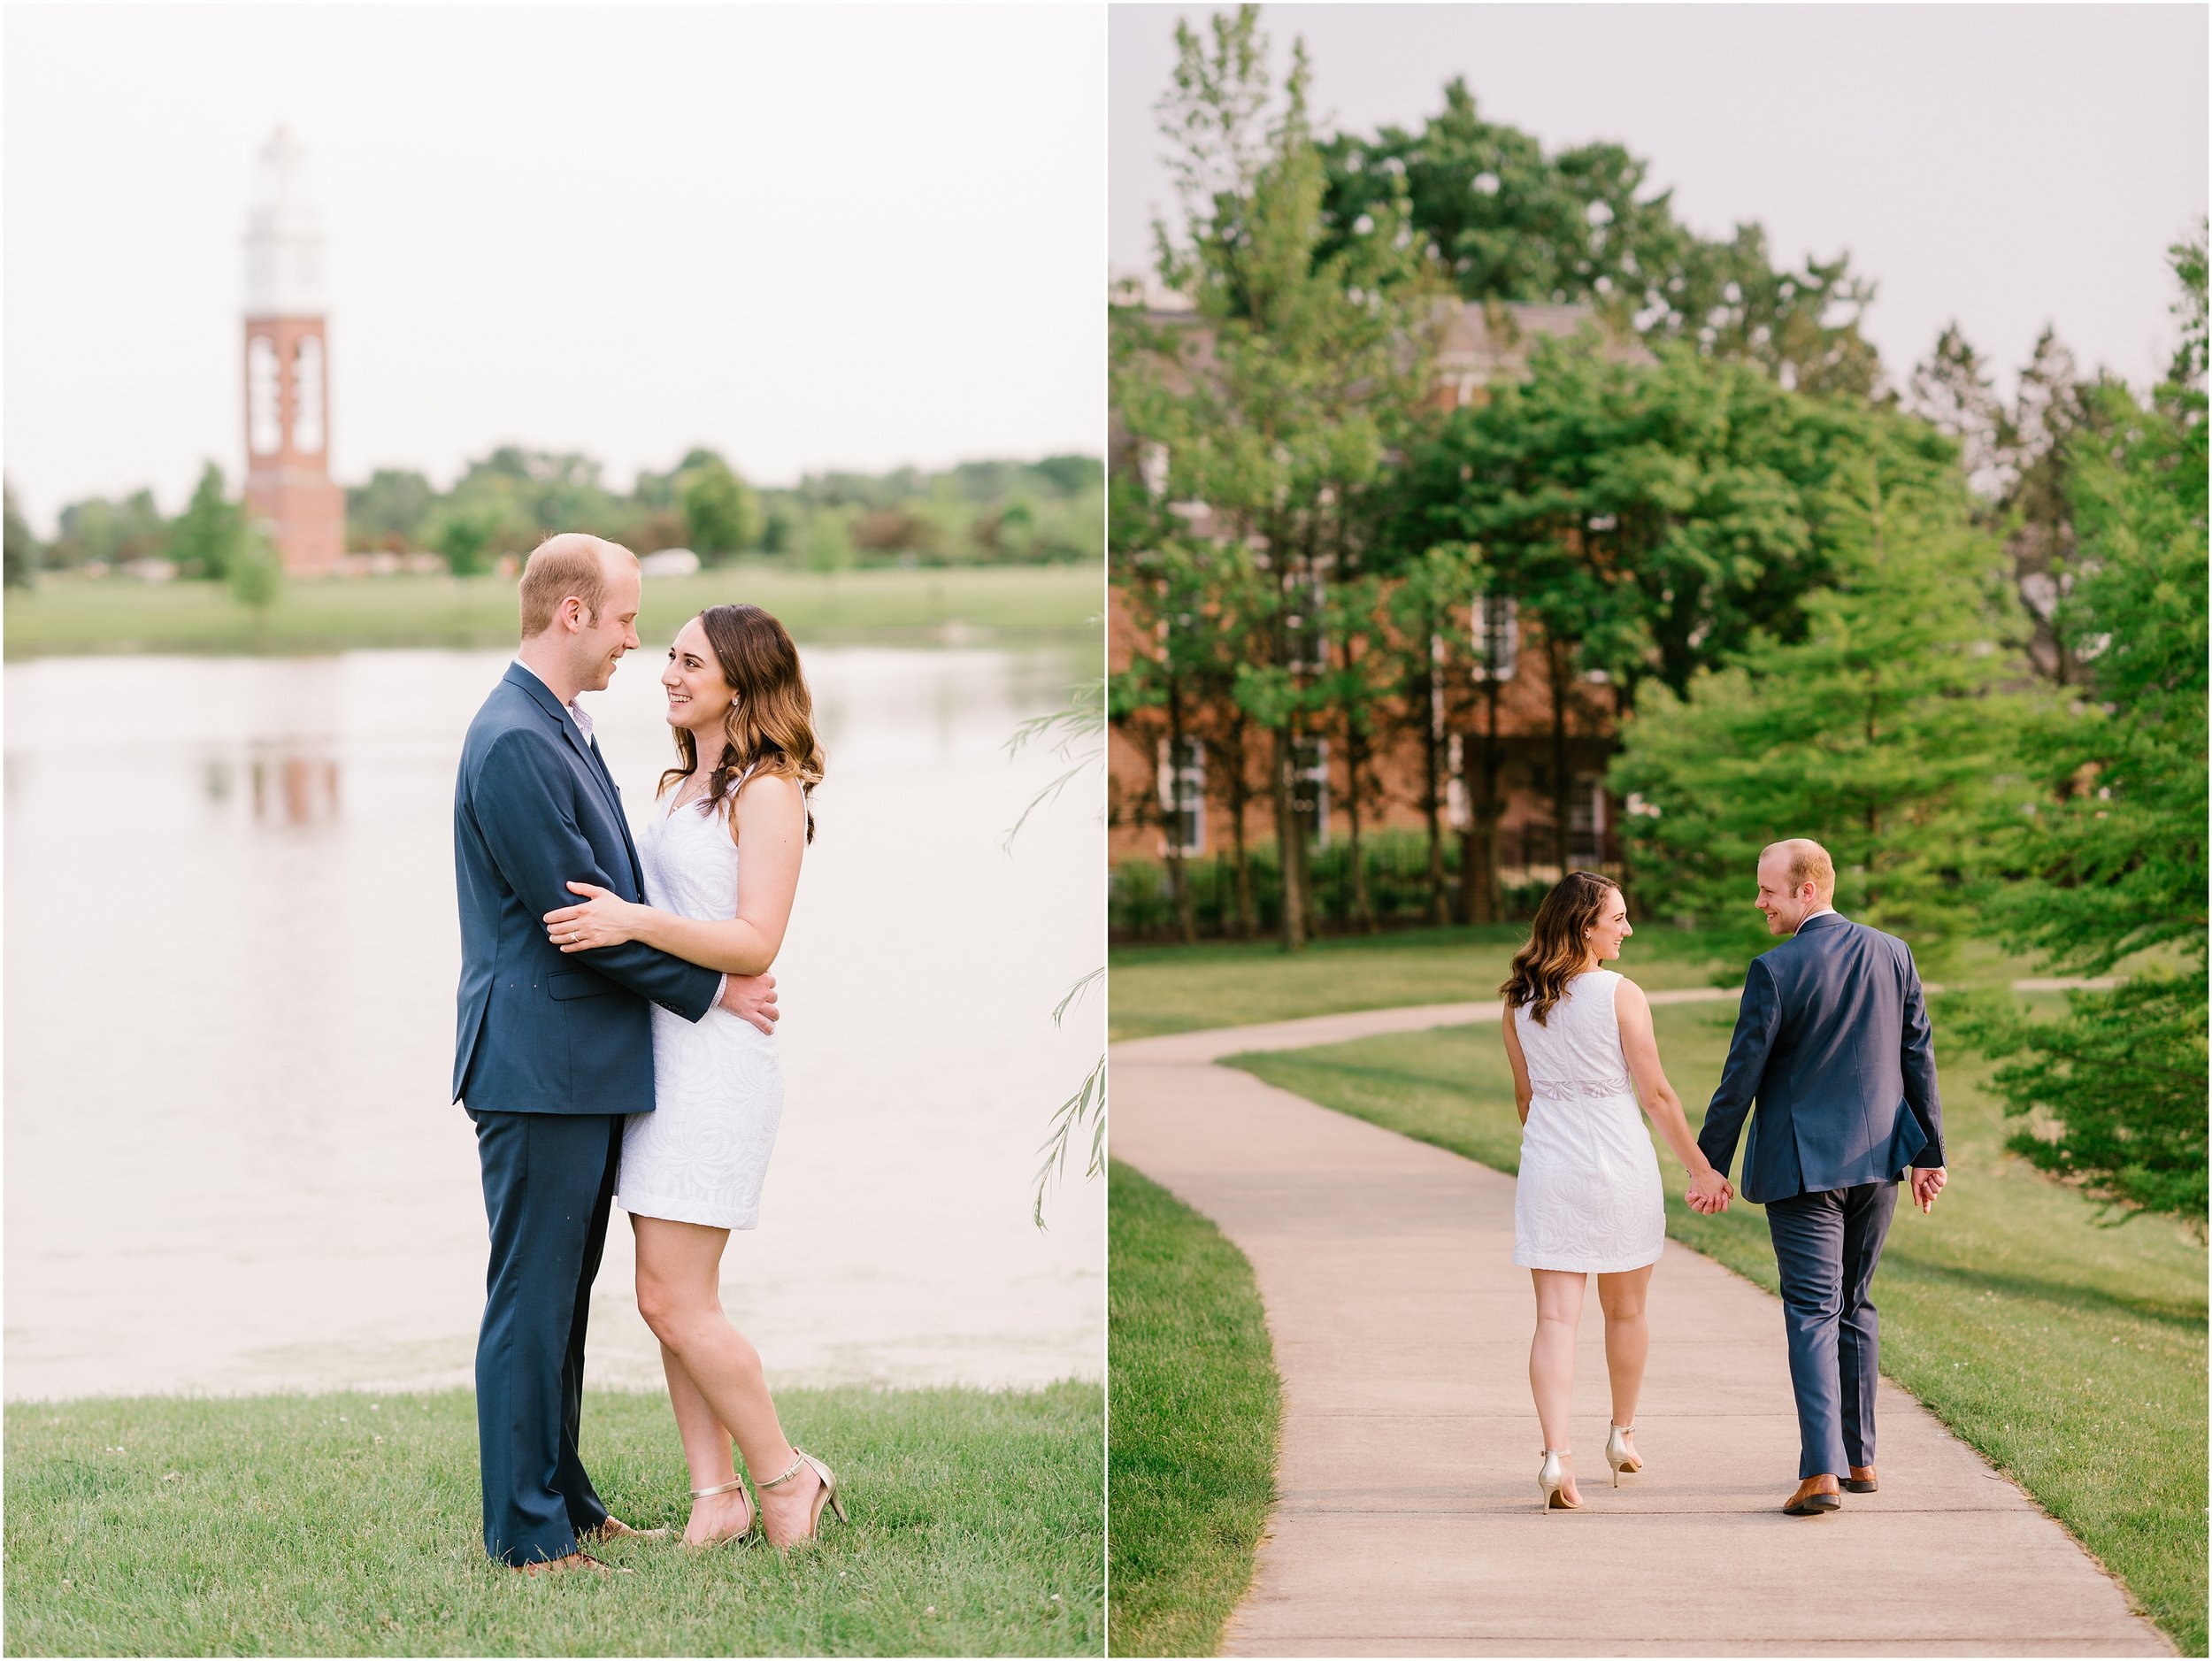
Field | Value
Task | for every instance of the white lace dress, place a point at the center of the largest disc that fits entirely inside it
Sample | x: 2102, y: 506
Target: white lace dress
x: 701, y: 1154
x: 1589, y: 1197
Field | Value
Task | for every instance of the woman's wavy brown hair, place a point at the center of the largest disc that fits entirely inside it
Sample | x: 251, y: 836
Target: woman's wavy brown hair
x: 1556, y: 949
x: 770, y: 728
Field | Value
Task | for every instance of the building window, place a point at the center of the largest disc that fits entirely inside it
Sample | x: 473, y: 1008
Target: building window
x: 307, y: 395
x: 1459, y: 811
x: 1310, y: 788
x: 1497, y: 637
x: 265, y: 398
x: 1183, y: 796
x: 1586, y: 822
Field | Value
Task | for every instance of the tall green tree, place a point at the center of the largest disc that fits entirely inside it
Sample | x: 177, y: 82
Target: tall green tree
x: 829, y: 542
x: 1352, y: 695
x: 1880, y: 734
x: 1275, y: 404
x: 1648, y: 521
x: 720, y: 509
x: 532, y: 493
x: 1429, y: 640
x: 1172, y: 596
x: 2111, y: 862
x: 391, y: 512
x: 1510, y: 222
x: 212, y: 534
x: 2016, y: 459
x: 471, y: 533
x: 256, y: 574
x: 22, y: 548
x: 110, y: 532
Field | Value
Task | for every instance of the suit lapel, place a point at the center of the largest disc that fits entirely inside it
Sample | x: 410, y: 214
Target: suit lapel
x: 614, y: 793
x: 588, y: 753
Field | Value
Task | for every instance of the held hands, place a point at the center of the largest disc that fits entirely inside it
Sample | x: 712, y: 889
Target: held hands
x: 1711, y: 1192
x: 1925, y: 1186
x: 604, y: 919
x: 752, y: 997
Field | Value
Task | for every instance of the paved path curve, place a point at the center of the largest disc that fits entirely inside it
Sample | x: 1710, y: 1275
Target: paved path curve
x: 1407, y: 1521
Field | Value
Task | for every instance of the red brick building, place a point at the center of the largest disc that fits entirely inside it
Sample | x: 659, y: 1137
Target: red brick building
x: 1495, y: 721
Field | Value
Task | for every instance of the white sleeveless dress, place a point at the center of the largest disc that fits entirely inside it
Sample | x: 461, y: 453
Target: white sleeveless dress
x: 701, y: 1154
x: 1588, y: 1198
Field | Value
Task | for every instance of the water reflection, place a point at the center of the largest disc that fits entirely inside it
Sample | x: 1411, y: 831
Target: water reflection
x: 291, y: 789
x: 230, y: 1161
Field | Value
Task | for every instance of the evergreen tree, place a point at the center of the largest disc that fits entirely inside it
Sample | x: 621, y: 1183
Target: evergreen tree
x: 2111, y: 862
x: 2016, y: 462
x: 1951, y: 390
x: 1880, y: 734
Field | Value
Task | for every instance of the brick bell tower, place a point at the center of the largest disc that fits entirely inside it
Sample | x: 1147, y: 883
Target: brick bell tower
x: 289, y: 488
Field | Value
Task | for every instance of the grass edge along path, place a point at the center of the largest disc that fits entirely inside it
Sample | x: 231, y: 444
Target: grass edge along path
x: 1194, y: 1423
x: 953, y: 604
x: 348, y: 1524
x: 2018, y: 1322
x: 1163, y: 989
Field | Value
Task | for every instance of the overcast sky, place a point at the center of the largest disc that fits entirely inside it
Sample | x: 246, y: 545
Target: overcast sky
x: 808, y: 237
x: 2005, y: 166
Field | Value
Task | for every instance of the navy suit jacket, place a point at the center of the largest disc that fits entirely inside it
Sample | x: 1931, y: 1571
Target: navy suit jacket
x: 541, y: 1032
x: 1832, y: 1039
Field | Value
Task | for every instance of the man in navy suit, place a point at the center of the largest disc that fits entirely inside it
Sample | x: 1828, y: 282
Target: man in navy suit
x: 1832, y: 1041
x: 553, y: 1049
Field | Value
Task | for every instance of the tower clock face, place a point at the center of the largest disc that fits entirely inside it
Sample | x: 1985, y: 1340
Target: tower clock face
x: 265, y: 398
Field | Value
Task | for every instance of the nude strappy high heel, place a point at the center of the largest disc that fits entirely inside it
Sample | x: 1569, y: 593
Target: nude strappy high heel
x: 828, y: 1495
x: 1551, y: 1477
x: 743, y: 1536
x: 1619, y: 1455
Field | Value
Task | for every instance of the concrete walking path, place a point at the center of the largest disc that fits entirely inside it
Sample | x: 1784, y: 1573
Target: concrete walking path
x: 1407, y: 1521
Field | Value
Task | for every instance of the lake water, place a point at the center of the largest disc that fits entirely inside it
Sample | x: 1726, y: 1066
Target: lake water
x: 231, y: 951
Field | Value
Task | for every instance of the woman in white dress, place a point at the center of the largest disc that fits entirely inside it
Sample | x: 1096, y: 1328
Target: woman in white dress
x: 1588, y: 1199
x: 721, y: 858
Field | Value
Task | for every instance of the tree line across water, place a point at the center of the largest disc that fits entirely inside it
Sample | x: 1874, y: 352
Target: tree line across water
x: 1958, y: 639
x: 979, y: 512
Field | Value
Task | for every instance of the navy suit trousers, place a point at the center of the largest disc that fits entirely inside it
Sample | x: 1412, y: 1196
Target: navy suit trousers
x: 549, y: 1187
x: 1826, y: 1244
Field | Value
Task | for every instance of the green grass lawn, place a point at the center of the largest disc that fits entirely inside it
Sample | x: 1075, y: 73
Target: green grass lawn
x: 2071, y: 1355
x: 1154, y: 989
x: 1193, y: 1422
x: 1180, y: 989
x: 1030, y: 603
x: 349, y: 1524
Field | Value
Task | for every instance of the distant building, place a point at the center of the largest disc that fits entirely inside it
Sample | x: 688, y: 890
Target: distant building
x: 1497, y: 727
x: 289, y: 491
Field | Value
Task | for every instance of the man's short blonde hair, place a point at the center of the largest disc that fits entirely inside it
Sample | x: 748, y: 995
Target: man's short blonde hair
x: 568, y: 565
x: 1808, y: 863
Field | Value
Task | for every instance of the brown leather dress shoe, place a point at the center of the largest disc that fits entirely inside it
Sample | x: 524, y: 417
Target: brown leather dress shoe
x: 615, y: 1529
x: 1814, y: 1495
x: 576, y: 1561
x: 1861, y: 1480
